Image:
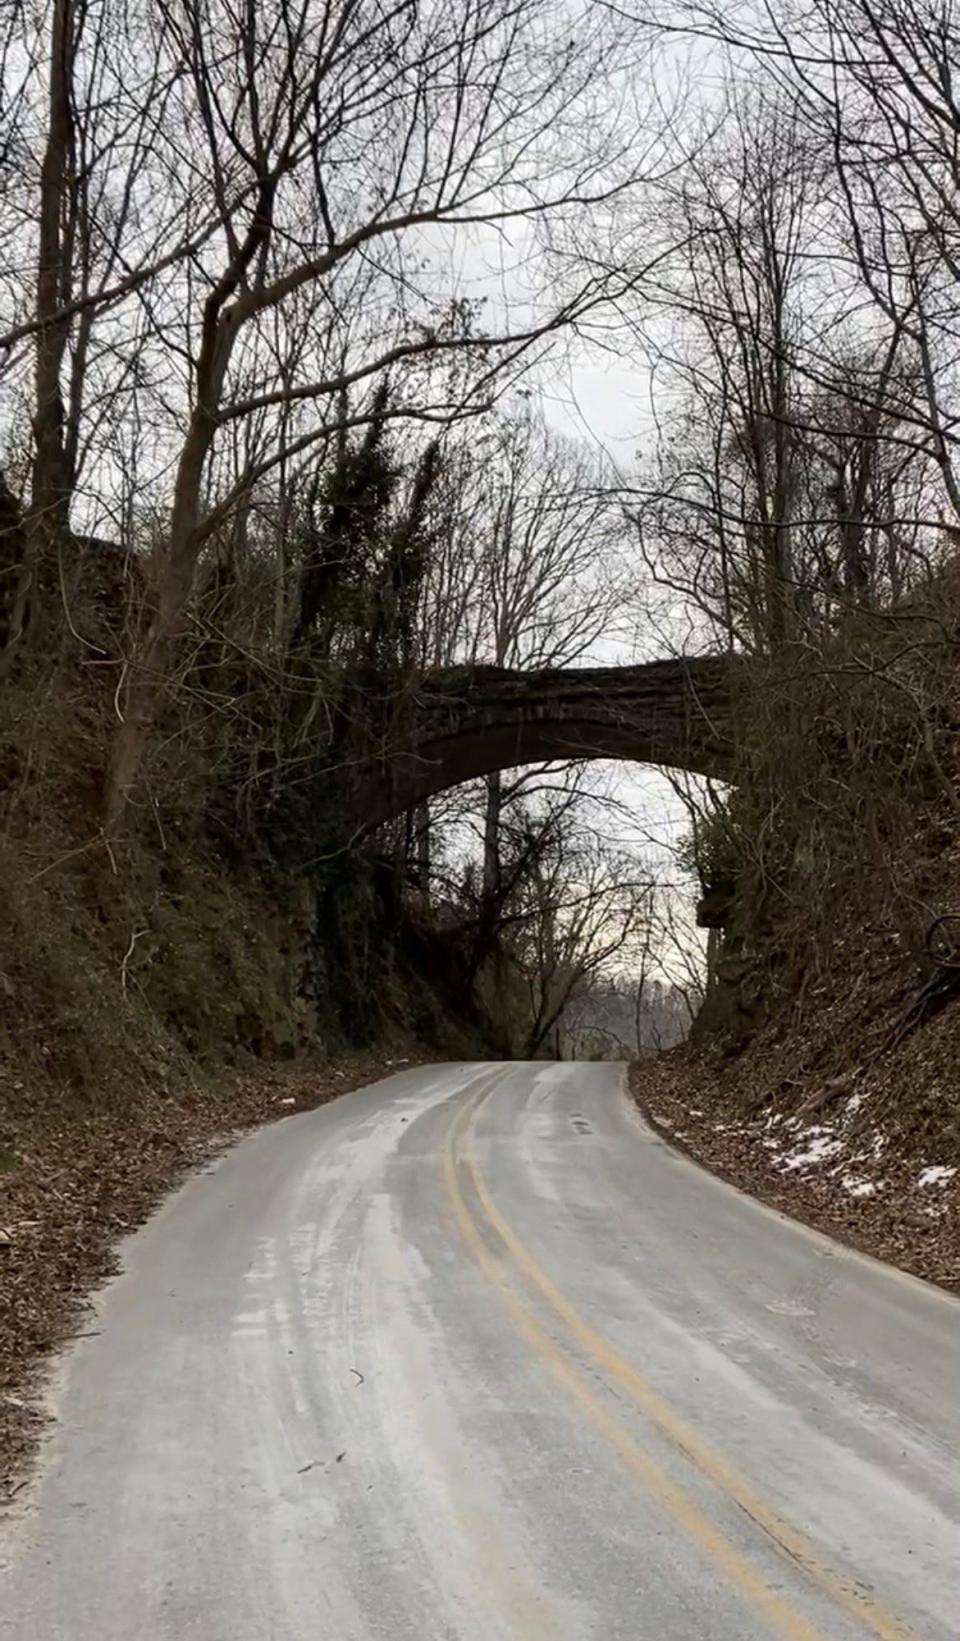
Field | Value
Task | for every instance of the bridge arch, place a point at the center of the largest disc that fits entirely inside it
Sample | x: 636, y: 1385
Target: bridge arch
x: 471, y: 721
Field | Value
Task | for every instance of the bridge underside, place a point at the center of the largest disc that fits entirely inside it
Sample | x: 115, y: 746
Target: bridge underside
x: 472, y: 721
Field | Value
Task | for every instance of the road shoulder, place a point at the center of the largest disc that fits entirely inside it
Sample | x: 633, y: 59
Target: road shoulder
x: 862, y: 1197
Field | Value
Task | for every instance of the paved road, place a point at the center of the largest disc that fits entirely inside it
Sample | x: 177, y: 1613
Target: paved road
x: 473, y: 1355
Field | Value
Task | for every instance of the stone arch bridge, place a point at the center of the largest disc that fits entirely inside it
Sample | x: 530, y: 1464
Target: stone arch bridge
x: 470, y: 721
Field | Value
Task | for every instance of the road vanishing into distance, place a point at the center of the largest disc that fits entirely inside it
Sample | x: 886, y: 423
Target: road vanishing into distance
x: 472, y: 1354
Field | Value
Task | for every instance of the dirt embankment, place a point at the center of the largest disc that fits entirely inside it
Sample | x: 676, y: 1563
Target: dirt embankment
x: 830, y: 877
x: 871, y: 1158
x: 82, y: 1182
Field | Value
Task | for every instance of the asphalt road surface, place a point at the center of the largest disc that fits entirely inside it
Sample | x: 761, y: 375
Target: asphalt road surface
x: 472, y: 1354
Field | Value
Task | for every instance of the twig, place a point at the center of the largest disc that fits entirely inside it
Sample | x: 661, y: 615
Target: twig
x: 137, y: 935
x: 117, y: 692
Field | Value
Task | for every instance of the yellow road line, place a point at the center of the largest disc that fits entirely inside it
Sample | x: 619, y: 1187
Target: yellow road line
x: 709, y: 1538
x: 787, y: 1539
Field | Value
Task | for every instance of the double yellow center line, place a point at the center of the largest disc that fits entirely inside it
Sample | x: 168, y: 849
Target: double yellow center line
x: 517, y: 1274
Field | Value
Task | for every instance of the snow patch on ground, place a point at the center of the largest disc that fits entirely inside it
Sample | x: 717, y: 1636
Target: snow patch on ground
x: 820, y: 1143
x: 938, y: 1174
x: 795, y: 1147
x: 806, y: 1147
x: 858, y: 1187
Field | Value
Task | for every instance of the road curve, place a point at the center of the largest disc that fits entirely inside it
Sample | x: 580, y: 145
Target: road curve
x: 471, y: 1355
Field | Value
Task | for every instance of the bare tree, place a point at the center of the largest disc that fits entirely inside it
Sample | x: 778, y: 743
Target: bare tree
x: 270, y: 155
x: 530, y: 570
x: 80, y: 132
x: 583, y: 906
x: 871, y: 91
x: 787, y: 482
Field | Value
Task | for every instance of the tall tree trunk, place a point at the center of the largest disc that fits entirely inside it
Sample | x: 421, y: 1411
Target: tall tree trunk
x: 714, y: 945
x: 150, y: 671
x: 421, y: 827
x: 51, y: 479
x: 491, y: 836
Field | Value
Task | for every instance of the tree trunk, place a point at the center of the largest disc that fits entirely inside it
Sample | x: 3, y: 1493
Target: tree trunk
x: 421, y: 825
x: 150, y: 671
x: 491, y: 836
x: 51, y: 483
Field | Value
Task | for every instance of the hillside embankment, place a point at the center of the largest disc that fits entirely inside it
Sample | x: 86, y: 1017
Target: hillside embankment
x: 824, y: 1074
